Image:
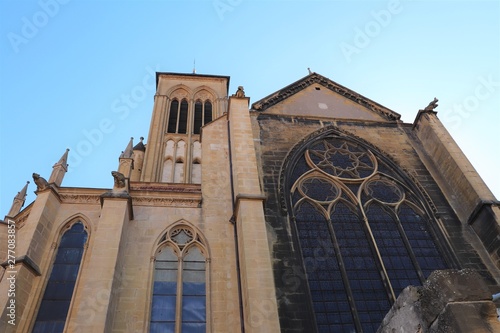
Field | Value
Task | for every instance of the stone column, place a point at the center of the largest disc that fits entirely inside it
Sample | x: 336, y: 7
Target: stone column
x: 451, y: 169
x: 94, y: 303
x: 259, y: 296
x: 465, y: 191
x: 32, y: 242
x: 154, y: 154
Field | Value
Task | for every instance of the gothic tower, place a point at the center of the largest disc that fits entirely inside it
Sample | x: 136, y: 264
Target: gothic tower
x: 315, y: 209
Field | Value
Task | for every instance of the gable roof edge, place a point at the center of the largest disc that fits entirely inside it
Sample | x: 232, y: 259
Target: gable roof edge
x: 292, y: 89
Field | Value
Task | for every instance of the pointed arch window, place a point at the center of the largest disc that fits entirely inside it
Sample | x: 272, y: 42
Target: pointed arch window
x: 362, y: 229
x: 178, y: 116
x: 202, y: 115
x: 58, y: 293
x: 179, y: 287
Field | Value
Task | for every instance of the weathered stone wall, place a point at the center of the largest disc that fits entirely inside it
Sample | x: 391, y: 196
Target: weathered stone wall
x: 257, y: 285
x: 450, y: 301
x: 278, y: 134
x: 453, y: 172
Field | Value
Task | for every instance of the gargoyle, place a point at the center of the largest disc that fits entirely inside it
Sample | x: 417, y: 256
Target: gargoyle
x: 41, y: 183
x: 240, y: 93
x: 432, y: 105
x: 119, y: 179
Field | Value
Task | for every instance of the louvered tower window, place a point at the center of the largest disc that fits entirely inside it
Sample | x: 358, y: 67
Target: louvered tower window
x: 202, y: 115
x: 178, y: 116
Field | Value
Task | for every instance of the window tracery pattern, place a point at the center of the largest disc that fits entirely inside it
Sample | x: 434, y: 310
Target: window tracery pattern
x: 363, y: 233
x: 179, y: 288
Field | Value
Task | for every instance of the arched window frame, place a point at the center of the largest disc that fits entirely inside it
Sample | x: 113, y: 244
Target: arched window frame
x: 419, y: 205
x: 178, y: 114
x: 165, y: 241
x: 203, y: 114
x: 53, y: 254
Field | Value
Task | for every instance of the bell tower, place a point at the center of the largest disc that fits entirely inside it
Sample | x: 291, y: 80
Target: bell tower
x: 183, y: 104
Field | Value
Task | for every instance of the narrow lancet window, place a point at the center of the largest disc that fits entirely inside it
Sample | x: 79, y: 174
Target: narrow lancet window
x: 58, y: 293
x: 173, y: 115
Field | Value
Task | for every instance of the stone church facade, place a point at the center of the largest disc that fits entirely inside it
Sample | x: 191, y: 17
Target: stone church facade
x: 314, y: 209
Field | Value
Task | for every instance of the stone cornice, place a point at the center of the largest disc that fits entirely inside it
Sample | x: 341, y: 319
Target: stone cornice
x: 165, y: 194
x: 80, y: 195
x: 192, y: 76
x: 307, y: 81
x: 165, y: 187
x: 167, y: 201
x: 80, y: 198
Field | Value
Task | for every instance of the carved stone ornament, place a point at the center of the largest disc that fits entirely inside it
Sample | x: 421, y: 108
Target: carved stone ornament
x: 202, y: 95
x: 432, y: 105
x: 119, y: 179
x: 166, y: 202
x: 240, y: 93
x: 80, y: 198
x: 41, y: 183
x: 180, y: 94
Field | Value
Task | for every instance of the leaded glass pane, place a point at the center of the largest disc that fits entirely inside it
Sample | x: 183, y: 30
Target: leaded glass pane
x: 395, y: 255
x: 363, y: 193
x: 167, y: 282
x: 323, y: 274
x: 181, y: 236
x: 164, y: 291
x: 319, y: 189
x: 370, y: 296
x: 193, y: 290
x: 421, y: 241
x: 56, y: 299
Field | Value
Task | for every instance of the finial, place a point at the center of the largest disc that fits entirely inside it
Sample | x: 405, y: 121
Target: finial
x: 140, y: 146
x: 22, y: 194
x: 129, y: 150
x: 18, y: 202
x: 309, y: 70
x: 64, y: 159
x: 194, y: 66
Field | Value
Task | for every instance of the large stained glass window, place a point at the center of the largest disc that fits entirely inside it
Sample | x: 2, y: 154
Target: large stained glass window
x: 179, y: 287
x: 56, y: 299
x: 363, y: 232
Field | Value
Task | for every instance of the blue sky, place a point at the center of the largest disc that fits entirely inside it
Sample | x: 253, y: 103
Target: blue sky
x: 67, y: 68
